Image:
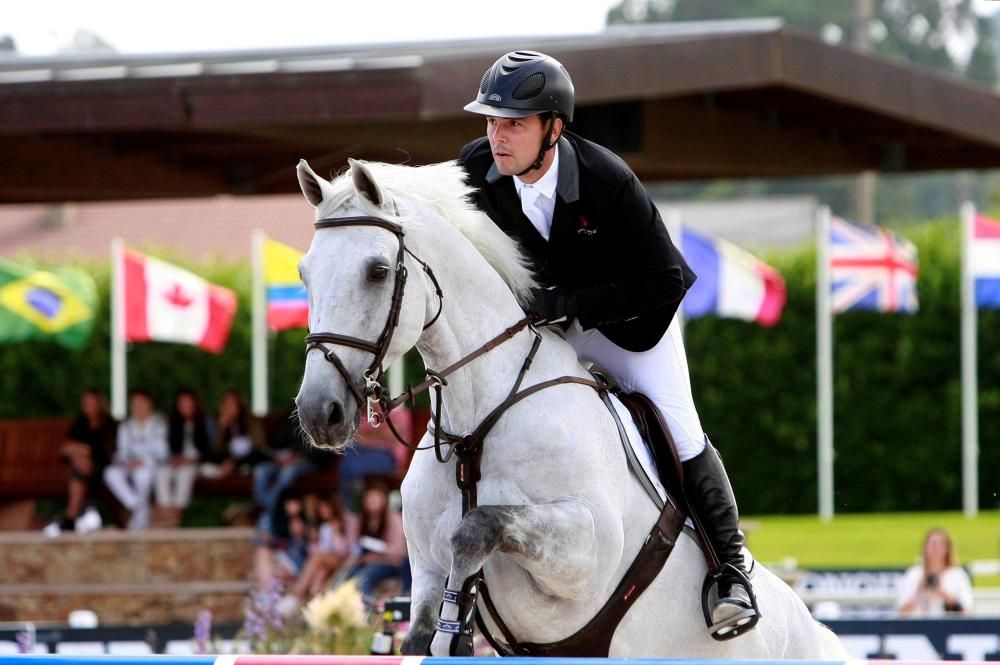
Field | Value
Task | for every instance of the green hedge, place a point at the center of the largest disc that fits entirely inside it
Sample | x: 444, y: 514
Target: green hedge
x: 897, y: 386
x: 897, y: 392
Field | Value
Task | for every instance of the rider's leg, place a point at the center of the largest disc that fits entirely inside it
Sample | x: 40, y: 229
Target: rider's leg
x: 661, y: 374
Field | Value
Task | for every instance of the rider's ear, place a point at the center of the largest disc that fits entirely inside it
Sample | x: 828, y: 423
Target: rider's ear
x: 364, y: 182
x: 312, y: 185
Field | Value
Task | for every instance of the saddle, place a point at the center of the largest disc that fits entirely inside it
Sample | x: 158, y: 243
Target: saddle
x: 655, y: 432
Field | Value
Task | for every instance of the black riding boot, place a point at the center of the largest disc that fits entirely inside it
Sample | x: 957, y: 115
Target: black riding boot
x: 707, y: 489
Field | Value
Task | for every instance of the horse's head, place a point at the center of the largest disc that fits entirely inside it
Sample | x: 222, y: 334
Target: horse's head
x: 351, y: 272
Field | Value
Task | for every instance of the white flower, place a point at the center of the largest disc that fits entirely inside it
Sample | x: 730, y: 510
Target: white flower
x: 342, y: 607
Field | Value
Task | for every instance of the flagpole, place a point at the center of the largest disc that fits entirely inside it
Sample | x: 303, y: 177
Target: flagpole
x: 259, y: 398
x: 970, y: 389
x: 119, y: 370
x: 824, y: 366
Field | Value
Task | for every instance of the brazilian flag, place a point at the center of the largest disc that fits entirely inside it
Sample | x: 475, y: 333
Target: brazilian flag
x: 38, y: 304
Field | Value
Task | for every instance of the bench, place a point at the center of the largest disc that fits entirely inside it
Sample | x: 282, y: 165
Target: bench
x: 29, y: 458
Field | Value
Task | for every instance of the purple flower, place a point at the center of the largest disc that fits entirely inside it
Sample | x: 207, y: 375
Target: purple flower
x: 26, y: 640
x: 203, y: 631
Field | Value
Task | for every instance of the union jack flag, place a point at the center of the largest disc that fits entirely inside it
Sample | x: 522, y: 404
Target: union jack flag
x: 871, y: 269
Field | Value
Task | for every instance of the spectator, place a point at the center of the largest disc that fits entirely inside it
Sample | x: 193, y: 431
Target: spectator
x: 937, y: 585
x: 375, y: 452
x: 88, y: 446
x: 283, y: 544
x: 188, y: 441
x: 142, y: 444
x: 327, y: 554
x: 378, y: 534
x: 236, y: 446
x: 287, y: 464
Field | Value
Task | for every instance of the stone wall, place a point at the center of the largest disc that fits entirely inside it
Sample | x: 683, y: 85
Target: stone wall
x: 155, y: 576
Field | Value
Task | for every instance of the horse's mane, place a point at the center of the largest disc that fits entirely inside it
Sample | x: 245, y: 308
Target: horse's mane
x: 442, y: 188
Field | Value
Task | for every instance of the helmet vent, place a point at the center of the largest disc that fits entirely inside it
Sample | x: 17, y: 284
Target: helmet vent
x: 485, y: 82
x: 530, y: 87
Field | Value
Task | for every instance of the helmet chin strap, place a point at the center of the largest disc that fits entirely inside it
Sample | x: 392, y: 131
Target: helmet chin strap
x: 547, y: 145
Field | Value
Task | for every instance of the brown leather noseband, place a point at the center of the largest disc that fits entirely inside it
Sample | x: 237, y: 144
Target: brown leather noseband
x: 375, y: 373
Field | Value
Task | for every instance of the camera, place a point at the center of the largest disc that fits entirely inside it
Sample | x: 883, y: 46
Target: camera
x: 931, y: 581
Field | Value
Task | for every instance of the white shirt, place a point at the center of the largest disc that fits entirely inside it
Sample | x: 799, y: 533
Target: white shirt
x: 954, y: 581
x: 538, y: 200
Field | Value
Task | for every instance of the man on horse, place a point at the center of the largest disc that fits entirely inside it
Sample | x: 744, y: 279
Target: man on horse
x: 613, y: 280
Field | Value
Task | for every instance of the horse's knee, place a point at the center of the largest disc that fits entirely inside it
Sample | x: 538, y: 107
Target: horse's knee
x: 480, y: 533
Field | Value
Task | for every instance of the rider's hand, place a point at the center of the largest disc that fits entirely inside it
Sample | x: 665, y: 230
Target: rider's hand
x: 552, y: 305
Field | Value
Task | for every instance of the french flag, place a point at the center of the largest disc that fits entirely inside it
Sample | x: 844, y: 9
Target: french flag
x: 985, y: 262
x: 165, y: 303
x: 732, y: 283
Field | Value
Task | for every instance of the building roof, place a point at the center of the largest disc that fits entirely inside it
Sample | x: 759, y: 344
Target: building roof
x: 197, y: 228
x: 697, y: 100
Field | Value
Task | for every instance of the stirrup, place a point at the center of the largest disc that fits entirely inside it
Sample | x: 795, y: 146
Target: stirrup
x: 737, y: 624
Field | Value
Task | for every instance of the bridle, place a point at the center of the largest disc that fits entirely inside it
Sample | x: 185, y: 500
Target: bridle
x: 374, y: 394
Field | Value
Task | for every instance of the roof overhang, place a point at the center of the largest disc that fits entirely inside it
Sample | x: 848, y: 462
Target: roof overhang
x: 677, y: 101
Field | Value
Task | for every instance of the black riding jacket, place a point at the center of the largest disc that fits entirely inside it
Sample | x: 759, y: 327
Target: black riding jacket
x: 607, y: 247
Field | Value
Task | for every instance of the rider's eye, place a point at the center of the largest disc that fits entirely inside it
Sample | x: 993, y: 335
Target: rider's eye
x: 378, y: 273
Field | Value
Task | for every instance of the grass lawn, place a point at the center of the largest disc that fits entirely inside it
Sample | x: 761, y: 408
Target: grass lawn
x: 873, y: 540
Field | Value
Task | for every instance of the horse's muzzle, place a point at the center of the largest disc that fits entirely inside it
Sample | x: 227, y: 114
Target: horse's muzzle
x: 327, y: 423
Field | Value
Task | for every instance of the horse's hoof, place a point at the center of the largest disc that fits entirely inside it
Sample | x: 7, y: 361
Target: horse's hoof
x: 461, y: 645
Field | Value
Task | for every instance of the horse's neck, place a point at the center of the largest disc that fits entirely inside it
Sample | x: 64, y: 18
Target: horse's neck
x: 464, y: 326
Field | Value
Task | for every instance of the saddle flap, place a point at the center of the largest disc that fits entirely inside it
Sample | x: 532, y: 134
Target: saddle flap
x: 656, y: 433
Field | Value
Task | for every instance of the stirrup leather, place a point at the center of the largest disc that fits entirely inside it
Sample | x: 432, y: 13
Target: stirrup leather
x: 460, y: 630
x: 739, y: 623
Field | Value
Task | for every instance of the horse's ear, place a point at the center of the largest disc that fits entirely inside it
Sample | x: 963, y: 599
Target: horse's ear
x: 312, y: 185
x: 364, y: 182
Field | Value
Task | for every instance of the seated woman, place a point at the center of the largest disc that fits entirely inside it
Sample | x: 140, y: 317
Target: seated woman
x: 378, y: 533
x: 237, y: 440
x: 87, y: 450
x: 282, y: 545
x: 141, y: 446
x: 937, y: 585
x: 329, y: 551
x: 188, y: 439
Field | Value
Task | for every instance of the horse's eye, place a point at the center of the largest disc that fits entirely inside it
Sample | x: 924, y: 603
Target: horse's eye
x: 378, y: 273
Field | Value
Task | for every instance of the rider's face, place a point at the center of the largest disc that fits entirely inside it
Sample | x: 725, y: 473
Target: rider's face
x: 515, y: 142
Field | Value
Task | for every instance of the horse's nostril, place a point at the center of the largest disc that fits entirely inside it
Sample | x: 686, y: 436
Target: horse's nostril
x: 336, y: 415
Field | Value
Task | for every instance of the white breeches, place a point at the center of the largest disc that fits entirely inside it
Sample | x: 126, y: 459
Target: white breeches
x: 173, y: 485
x: 661, y: 374
x: 132, y: 487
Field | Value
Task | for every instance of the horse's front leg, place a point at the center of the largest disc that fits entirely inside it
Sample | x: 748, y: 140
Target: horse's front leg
x: 554, y: 542
x: 425, y: 599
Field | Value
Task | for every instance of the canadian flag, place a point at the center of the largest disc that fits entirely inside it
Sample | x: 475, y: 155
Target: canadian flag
x: 165, y: 303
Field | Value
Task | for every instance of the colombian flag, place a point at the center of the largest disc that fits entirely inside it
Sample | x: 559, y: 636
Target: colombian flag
x: 38, y: 304
x: 287, y: 304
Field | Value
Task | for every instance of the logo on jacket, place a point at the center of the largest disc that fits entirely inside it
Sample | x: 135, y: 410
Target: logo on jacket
x: 585, y: 229
x: 495, y: 98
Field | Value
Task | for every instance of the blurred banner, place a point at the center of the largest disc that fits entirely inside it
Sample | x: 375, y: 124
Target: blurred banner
x: 871, y: 269
x: 287, y: 302
x: 165, y: 303
x: 55, y: 305
x: 732, y: 283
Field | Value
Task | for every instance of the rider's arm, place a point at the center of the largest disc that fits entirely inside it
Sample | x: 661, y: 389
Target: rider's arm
x: 657, y: 277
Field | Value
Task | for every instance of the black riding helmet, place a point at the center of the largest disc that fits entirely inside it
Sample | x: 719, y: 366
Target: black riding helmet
x: 524, y: 83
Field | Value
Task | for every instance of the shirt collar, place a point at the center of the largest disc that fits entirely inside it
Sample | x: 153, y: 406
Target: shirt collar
x: 569, y: 173
x: 546, y: 185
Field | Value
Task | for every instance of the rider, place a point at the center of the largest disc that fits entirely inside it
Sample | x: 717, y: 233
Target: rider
x: 612, y: 277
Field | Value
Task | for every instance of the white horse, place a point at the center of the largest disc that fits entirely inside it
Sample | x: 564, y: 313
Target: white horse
x: 560, y: 516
